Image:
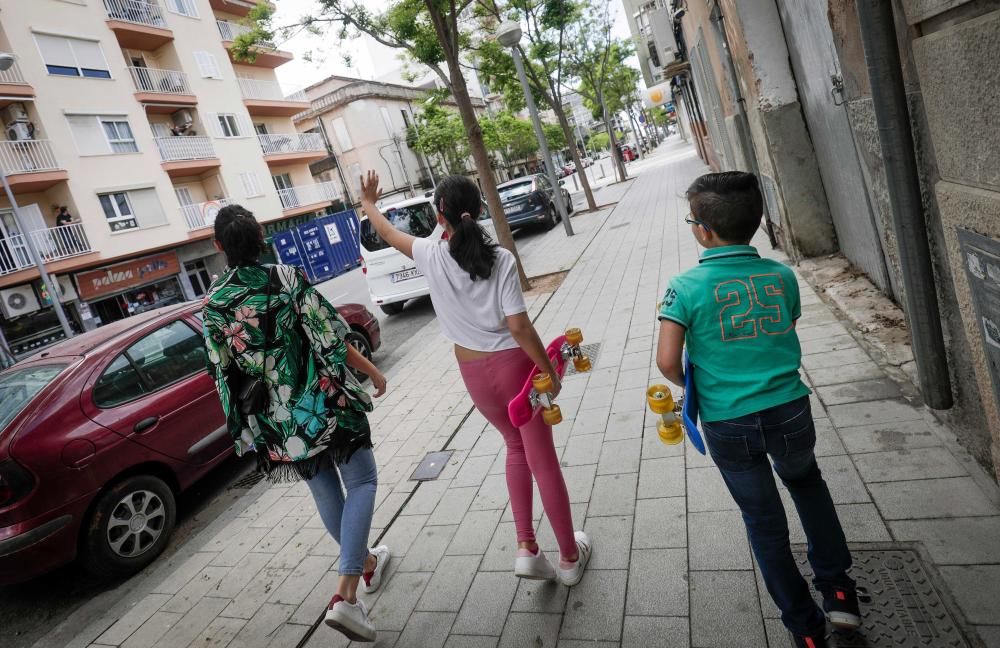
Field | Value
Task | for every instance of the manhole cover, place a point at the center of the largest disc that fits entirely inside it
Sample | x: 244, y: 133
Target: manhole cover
x: 432, y: 465
x: 905, y: 610
x: 248, y: 481
x: 592, y: 351
x: 620, y: 225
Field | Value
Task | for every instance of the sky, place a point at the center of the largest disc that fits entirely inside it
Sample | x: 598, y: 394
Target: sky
x: 369, y: 60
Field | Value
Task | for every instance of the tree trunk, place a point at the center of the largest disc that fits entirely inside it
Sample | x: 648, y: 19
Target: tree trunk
x: 477, y: 146
x: 613, y: 142
x: 580, y: 170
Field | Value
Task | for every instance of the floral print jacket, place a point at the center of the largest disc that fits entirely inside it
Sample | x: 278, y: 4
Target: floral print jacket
x: 315, y: 402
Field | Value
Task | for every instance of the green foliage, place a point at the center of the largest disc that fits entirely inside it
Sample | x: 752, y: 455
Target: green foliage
x: 439, y: 132
x: 554, y: 136
x: 600, y: 141
x: 511, y: 137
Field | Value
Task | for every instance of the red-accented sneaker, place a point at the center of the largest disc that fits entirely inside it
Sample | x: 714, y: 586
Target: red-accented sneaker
x: 351, y: 619
x: 811, y: 641
x: 373, y: 580
x: 841, y: 607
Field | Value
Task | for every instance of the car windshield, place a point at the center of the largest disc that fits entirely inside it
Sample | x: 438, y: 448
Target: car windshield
x: 513, y: 191
x: 19, y: 386
x: 418, y: 220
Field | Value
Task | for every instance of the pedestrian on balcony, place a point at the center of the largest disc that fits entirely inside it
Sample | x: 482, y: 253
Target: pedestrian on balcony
x: 478, y: 301
x: 67, y: 240
x: 277, y: 353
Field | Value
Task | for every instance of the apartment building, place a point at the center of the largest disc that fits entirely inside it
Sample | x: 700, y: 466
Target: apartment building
x: 134, y: 116
x: 651, y: 24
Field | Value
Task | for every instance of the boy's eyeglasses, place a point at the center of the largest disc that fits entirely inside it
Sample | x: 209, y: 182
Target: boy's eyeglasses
x: 692, y: 221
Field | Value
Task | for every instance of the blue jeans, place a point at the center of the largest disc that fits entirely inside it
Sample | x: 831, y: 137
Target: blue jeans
x: 345, y: 499
x: 740, y: 448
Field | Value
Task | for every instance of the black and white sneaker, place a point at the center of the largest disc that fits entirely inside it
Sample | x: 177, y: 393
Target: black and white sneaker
x: 841, y: 607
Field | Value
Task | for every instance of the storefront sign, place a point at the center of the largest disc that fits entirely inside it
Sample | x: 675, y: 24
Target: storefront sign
x: 122, y: 276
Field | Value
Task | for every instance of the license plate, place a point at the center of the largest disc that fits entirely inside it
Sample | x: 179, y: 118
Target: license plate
x: 403, y: 275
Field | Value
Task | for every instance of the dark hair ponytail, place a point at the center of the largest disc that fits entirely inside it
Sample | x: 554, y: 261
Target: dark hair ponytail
x: 457, y: 197
x: 240, y: 235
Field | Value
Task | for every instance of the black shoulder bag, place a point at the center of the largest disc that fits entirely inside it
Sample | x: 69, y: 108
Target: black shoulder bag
x: 251, y: 391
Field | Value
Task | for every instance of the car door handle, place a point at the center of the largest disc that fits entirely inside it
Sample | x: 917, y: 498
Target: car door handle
x: 146, y: 424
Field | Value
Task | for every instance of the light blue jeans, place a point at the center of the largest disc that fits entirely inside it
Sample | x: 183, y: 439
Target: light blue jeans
x: 345, y: 499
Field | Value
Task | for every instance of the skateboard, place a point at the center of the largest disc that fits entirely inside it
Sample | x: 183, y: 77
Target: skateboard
x: 537, y: 389
x: 689, y: 412
x: 671, y: 426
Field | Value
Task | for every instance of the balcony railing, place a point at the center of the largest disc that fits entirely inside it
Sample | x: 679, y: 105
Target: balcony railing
x: 12, y: 75
x: 230, y: 30
x: 136, y: 11
x: 14, y: 254
x: 61, y: 242
x: 182, y: 147
x: 201, y: 215
x: 291, y: 143
x: 308, y: 194
x: 160, y: 81
x: 268, y: 91
x: 27, y: 156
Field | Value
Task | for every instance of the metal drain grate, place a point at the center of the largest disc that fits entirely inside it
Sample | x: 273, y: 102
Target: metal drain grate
x: 592, y: 351
x: 625, y: 224
x: 905, y: 610
x: 247, y: 481
x: 432, y: 465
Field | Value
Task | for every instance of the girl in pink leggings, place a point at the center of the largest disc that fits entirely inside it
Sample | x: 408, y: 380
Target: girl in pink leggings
x: 478, y: 301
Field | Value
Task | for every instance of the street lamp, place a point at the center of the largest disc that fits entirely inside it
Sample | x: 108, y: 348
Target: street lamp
x: 6, y: 61
x: 509, y: 35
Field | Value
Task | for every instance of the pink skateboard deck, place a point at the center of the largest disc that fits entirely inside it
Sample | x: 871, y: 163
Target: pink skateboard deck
x: 520, y: 409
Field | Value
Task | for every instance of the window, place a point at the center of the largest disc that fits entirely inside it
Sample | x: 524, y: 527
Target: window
x: 77, y: 57
x: 183, y: 7
x: 343, y: 137
x: 102, y: 134
x: 251, y: 184
x: 118, y: 384
x: 229, y: 125
x: 201, y: 281
x: 119, y: 135
x: 389, y: 130
x: 208, y: 66
x: 417, y: 220
x: 406, y: 118
x: 118, y: 211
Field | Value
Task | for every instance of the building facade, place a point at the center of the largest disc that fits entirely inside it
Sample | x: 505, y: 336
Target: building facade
x: 134, y: 116
x: 651, y: 24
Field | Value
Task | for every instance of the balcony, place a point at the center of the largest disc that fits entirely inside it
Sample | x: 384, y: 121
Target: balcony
x: 201, y: 215
x: 163, y: 91
x: 13, y: 87
x: 286, y: 148
x: 268, y: 55
x: 307, y: 198
x: 186, y: 156
x: 236, y: 7
x: 265, y: 99
x: 138, y: 24
x: 30, y: 165
x: 53, y: 244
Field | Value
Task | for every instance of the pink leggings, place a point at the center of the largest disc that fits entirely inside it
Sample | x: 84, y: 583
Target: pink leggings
x: 492, y: 382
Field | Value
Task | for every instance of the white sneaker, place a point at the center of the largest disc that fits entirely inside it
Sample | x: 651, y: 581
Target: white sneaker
x: 374, y: 581
x: 533, y: 566
x: 351, y: 620
x: 571, y: 576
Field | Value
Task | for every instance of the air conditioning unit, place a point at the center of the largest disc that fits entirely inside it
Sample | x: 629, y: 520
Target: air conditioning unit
x: 18, y: 301
x: 15, y: 112
x: 67, y: 290
x: 20, y: 131
x: 182, y: 118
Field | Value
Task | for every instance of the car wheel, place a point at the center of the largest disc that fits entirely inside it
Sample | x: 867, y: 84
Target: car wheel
x: 392, y: 309
x: 551, y: 221
x: 130, y: 526
x: 569, y: 203
x: 359, y: 342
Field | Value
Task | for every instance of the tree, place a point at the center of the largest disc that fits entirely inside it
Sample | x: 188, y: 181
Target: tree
x: 511, y: 137
x: 429, y: 31
x: 555, y: 137
x: 600, y: 141
x: 439, y: 131
x: 594, y: 57
x: 545, y: 25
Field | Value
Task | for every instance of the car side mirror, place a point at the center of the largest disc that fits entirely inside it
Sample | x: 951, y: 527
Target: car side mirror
x: 562, y: 183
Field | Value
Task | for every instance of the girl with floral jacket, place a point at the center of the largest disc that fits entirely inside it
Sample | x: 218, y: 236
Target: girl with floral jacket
x: 268, y: 323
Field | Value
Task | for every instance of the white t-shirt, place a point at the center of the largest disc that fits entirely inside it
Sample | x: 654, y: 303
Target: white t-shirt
x: 472, y: 313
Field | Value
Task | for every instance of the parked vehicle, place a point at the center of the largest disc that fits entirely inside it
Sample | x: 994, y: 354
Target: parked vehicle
x: 531, y: 200
x: 101, y: 432
x: 628, y: 152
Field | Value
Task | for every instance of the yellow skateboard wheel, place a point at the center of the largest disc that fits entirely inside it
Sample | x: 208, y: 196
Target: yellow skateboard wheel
x: 574, y: 336
x: 670, y: 434
x: 542, y: 383
x: 581, y: 363
x: 660, y: 399
x: 552, y: 415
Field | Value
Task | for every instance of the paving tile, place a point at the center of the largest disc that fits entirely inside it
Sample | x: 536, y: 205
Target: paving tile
x: 828, y: 442
x: 502, y: 550
x: 133, y: 619
x: 545, y: 536
x: 325, y: 546
x: 900, y: 465
x: 219, y: 633
x: 856, y: 392
x: 428, y: 549
x: 473, y: 534
x: 192, y: 624
x: 319, y: 597
x: 625, y: 425
x: 531, y: 629
x: 843, y: 480
x: 842, y: 342
x: 953, y: 541
x: 976, y: 589
x: 990, y: 635
x: 591, y: 421
x: 579, y: 482
x: 427, y: 629
x: 583, y: 643
x: 467, y: 641
x: 865, y: 370
x: 203, y: 583
x: 613, y: 495
x: 612, y: 539
x: 280, y: 534
x: 824, y: 331
x: 241, y: 575
x: 931, y: 498
x: 661, y: 478
x: 658, y: 582
x: 388, y: 509
x: 448, y: 585
x: 490, y: 442
x: 596, y: 398
x: 647, y: 631
x: 492, y: 494
x: 777, y: 635
x: 302, y: 580
x: 472, y: 472
x: 879, y: 437
x: 183, y: 573
x: 660, y: 523
x: 725, y: 612
x: 258, y: 590
x: 289, y: 635
x: 873, y: 412
x: 582, y: 450
x: 595, y: 607
x: 653, y: 448
x: 398, y: 601
x: 258, y: 631
x: 861, y: 522
x: 707, y: 491
x: 453, y: 505
x: 152, y: 630
x: 547, y: 597
x: 633, y: 379
x: 486, y: 605
x: 718, y: 541
x: 835, y: 359
x: 404, y: 530
x: 427, y: 496
x: 619, y: 457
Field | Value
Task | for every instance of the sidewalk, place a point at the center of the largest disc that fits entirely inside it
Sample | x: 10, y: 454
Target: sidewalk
x: 671, y: 567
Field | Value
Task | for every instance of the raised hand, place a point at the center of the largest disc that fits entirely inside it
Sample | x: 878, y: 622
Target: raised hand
x: 370, y: 192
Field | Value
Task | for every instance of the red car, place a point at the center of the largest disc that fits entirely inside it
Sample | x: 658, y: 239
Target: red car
x: 98, y: 434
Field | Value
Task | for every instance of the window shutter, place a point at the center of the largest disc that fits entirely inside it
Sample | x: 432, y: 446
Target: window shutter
x: 245, y: 124
x: 211, y: 121
x: 146, y: 207
x: 55, y: 50
x: 251, y: 185
x: 208, y: 66
x: 89, y: 54
x: 343, y: 137
x: 88, y: 134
